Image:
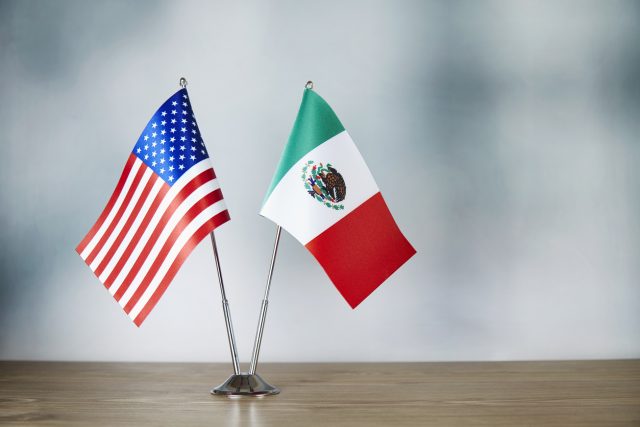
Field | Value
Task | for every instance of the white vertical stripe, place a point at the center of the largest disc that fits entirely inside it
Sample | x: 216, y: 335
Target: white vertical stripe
x: 133, y: 230
x: 291, y: 207
x: 166, y: 201
x: 92, y: 244
x: 184, y: 237
x: 123, y: 219
x: 182, y: 209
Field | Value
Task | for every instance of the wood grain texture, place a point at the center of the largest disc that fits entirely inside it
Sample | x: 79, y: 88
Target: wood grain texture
x: 581, y: 393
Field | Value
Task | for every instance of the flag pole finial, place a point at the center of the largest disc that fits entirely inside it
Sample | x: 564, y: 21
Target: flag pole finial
x: 183, y: 82
x: 309, y: 85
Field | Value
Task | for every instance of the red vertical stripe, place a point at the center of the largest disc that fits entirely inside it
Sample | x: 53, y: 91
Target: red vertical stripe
x: 362, y: 250
x: 116, y: 218
x: 200, y: 234
x: 112, y: 200
x: 136, y: 237
x: 127, y: 226
x: 190, y: 215
x: 196, y: 182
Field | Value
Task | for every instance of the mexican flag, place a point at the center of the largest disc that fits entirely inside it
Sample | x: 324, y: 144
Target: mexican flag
x: 323, y: 194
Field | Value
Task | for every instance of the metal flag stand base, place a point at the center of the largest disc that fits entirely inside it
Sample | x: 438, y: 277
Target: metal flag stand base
x: 245, y: 384
x: 240, y: 383
x: 250, y: 383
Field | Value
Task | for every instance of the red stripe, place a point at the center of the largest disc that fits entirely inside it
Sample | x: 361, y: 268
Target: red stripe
x: 125, y: 229
x: 200, y: 234
x: 116, y: 193
x: 196, y: 182
x: 136, y: 237
x: 116, y: 219
x: 362, y: 250
x: 190, y: 215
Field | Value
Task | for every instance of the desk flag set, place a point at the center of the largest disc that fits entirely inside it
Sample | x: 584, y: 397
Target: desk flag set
x: 168, y: 199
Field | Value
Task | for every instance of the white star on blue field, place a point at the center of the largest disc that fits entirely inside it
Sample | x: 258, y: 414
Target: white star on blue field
x: 171, y: 143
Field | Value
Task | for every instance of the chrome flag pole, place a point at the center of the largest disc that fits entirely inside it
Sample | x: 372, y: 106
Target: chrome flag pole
x: 225, y: 309
x: 251, y: 384
x: 225, y: 302
x: 223, y: 294
x: 263, y: 310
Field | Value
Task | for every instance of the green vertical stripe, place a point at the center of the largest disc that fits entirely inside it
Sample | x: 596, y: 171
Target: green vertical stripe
x: 316, y: 123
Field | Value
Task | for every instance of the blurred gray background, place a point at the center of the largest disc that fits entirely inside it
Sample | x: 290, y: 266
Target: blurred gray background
x: 504, y: 136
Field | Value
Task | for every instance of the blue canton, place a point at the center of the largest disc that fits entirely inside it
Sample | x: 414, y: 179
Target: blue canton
x: 171, y: 142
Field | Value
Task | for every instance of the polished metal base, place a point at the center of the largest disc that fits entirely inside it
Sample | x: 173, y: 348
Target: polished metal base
x: 245, y: 385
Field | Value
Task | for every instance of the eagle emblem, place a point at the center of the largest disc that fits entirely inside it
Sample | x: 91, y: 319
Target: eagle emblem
x: 324, y: 183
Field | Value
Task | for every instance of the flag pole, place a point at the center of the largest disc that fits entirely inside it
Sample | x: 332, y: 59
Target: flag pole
x: 263, y: 309
x: 225, y: 309
x: 265, y: 301
x: 223, y: 294
x: 225, y: 303
x: 250, y: 383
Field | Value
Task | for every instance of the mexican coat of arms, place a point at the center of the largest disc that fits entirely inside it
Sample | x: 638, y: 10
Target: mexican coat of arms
x: 324, y: 183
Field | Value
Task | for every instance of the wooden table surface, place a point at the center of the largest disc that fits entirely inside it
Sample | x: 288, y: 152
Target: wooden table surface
x: 584, y: 393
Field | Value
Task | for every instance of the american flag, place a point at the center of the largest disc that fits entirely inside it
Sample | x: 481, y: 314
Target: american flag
x: 166, y: 201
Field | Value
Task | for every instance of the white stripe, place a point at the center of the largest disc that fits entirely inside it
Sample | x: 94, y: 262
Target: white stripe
x: 133, y: 230
x: 291, y: 207
x: 184, y: 205
x: 193, y: 198
x: 92, y: 244
x: 123, y: 219
x: 184, y: 237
